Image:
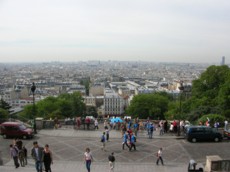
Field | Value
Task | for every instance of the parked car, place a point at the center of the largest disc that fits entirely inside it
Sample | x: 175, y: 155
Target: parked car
x: 227, y: 131
x: 203, y: 133
x: 15, y: 129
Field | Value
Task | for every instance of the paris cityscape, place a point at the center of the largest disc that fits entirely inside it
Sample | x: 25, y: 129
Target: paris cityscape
x: 118, y: 86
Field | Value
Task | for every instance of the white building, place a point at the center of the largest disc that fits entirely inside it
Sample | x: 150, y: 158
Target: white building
x: 114, y: 104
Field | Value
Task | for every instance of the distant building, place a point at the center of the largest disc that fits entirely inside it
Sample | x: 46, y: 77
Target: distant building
x: 114, y: 104
x: 223, y: 60
x: 90, y: 101
x: 96, y: 90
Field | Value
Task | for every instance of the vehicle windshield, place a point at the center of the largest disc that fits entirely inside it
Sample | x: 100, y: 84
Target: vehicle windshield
x: 22, y: 127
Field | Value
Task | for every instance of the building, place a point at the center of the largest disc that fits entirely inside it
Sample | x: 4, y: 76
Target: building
x: 114, y: 104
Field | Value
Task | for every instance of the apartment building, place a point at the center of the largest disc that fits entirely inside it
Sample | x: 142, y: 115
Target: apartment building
x: 114, y: 104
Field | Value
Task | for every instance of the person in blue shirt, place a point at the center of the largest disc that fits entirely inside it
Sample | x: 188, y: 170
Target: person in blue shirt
x: 132, y: 142
x: 125, y: 141
x: 103, y: 141
x: 151, y: 128
x: 136, y: 127
x: 148, y: 127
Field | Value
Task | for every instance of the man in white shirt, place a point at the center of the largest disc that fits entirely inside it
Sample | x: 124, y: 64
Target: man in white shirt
x: 159, y: 156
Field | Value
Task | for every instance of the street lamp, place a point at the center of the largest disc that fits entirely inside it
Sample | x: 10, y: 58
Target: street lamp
x: 33, y: 88
x: 181, y: 88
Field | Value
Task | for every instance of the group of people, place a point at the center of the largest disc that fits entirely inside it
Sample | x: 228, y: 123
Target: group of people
x: 39, y: 154
x: 88, y: 159
x: 19, y: 153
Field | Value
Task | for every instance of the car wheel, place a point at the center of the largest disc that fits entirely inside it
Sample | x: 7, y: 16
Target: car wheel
x: 216, y: 139
x: 24, y: 137
x: 193, y: 140
x: 4, y: 136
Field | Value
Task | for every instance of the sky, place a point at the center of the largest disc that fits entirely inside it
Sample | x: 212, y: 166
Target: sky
x: 195, y: 31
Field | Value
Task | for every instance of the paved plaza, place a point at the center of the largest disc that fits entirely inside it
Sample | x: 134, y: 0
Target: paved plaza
x: 68, y: 146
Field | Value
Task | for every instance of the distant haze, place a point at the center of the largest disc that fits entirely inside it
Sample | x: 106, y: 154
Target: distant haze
x: 195, y: 31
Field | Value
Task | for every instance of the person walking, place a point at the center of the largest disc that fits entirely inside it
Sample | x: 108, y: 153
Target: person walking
x: 47, y: 159
x: 151, y: 128
x: 88, y: 158
x: 37, y: 154
x: 132, y: 142
x: 14, y: 154
x: 96, y: 124
x: 107, y: 134
x: 111, y: 162
x: 159, y: 156
x: 25, y: 154
x: 103, y: 141
x: 125, y: 141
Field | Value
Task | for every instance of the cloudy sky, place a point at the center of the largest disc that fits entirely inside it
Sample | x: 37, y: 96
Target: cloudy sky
x: 147, y: 30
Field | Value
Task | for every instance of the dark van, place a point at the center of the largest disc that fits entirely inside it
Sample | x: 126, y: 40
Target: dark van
x: 203, y: 133
x: 15, y: 129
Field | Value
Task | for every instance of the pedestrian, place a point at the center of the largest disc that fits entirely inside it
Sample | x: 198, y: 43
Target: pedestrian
x: 136, y: 128
x: 132, y: 142
x: 14, y: 154
x: 103, y: 141
x: 159, y: 156
x: 47, y: 159
x: 151, y: 128
x: 96, y: 124
x: 107, y: 134
x: 125, y: 141
x: 111, y: 162
x: 37, y: 154
x: 88, y: 158
x: 25, y: 154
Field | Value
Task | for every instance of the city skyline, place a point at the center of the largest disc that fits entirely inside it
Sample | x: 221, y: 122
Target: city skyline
x: 77, y: 30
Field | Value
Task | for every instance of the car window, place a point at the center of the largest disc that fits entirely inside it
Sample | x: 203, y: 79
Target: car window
x: 208, y: 130
x: 197, y: 130
x: 22, y: 127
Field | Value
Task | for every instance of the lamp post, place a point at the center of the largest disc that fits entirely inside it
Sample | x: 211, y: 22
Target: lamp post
x: 33, y: 88
x: 181, y: 88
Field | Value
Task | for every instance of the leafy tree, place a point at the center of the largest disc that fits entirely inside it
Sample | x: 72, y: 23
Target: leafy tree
x: 148, y: 105
x: 206, y: 88
x: 65, y: 105
x: 78, y: 106
x: 5, y: 105
x: 3, y: 114
x: 86, y: 83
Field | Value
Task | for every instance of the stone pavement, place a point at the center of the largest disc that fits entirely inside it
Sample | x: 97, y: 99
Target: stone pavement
x: 76, y: 141
x: 79, y: 166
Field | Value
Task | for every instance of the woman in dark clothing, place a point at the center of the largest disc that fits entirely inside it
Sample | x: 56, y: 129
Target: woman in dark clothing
x: 47, y: 158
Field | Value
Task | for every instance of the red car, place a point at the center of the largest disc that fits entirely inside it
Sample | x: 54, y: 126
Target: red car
x: 15, y: 129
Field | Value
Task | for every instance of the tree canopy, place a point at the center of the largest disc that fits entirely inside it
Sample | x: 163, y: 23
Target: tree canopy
x: 149, y: 105
x: 65, y: 105
x: 210, y: 93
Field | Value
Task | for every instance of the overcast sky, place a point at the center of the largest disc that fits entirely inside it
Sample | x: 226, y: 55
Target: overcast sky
x: 147, y: 30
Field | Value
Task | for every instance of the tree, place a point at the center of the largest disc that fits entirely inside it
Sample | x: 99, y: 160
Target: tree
x: 5, y: 105
x: 78, y: 106
x: 148, y: 105
x: 3, y: 114
x: 210, y: 93
x: 65, y: 105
